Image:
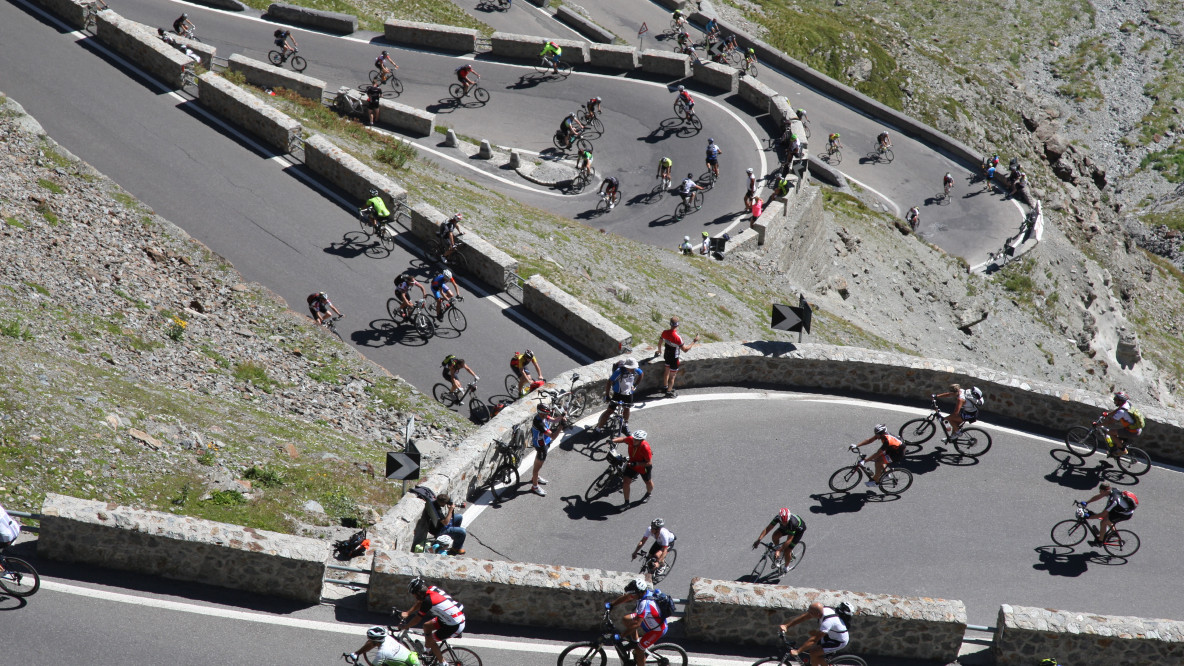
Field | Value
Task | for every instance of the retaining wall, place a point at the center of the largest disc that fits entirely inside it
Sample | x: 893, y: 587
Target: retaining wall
x: 890, y: 625
x: 313, y: 18
x: 583, y: 25
x: 243, y: 109
x: 232, y: 5
x: 267, y: 75
x: 622, y: 58
x: 756, y: 93
x: 528, y: 47
x: 182, y: 548
x: 71, y: 12
x: 325, y: 159
x: 666, y: 63
x: 140, y: 44
x: 432, y: 36
x: 578, y: 321
x: 486, y: 262
x: 1025, y: 634
x: 204, y: 51
x: 715, y: 75
x: 408, y: 119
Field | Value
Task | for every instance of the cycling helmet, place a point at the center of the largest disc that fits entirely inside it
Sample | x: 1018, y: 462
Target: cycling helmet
x: 948, y: 175
x: 596, y: 99
x: 459, y: 216
x: 551, y: 43
x: 881, y: 429
x: 658, y: 523
x: 637, y: 585
x: 417, y: 586
x: 323, y: 295
x: 751, y: 51
x: 1120, y: 397
x: 444, y: 541
x: 1048, y: 662
x: 376, y: 633
x: 750, y: 170
x: 527, y: 354
x: 447, y: 273
x: 160, y: 31
x: 682, y: 88
x: 384, y: 53
x: 686, y: 238
x: 705, y: 234
x: 185, y: 15
x: 639, y: 434
x: 976, y: 393
x: 544, y: 410
x: 710, y: 141
x: 690, y: 175
x: 783, y: 515
x: 373, y: 192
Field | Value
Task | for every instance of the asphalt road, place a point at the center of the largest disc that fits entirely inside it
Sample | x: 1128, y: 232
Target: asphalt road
x: 725, y: 462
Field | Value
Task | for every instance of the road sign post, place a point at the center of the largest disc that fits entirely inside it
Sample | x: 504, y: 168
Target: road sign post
x: 404, y: 466
x: 790, y: 318
x: 641, y: 35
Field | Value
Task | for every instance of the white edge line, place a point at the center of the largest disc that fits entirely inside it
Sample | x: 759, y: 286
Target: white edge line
x: 875, y: 192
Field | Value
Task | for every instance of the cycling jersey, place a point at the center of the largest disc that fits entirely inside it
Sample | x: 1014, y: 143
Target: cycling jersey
x: 450, y: 226
x: 647, y: 611
x: 318, y: 303
x: 612, y: 182
x: 1122, y: 415
x: 586, y: 156
x: 380, y: 62
x: 834, y: 632
x: 179, y: 25
x: 640, y: 454
x: 374, y: 93
x: 795, y: 524
x: 1118, y: 502
x: 520, y: 360
x: 665, y: 537
x: 10, y: 529
x: 883, y: 137
x: 540, y: 434
x: 686, y: 97
x: 833, y: 137
x: 969, y: 405
x: 404, y: 286
x: 394, y: 653
x: 446, y: 609
x: 712, y: 152
x: 751, y: 182
x: 665, y: 162
x: 549, y: 49
x: 379, y: 206
x: 687, y: 186
x: 673, y: 340
x: 624, y: 381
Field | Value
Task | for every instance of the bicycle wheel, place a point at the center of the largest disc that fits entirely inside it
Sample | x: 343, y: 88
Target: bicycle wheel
x: 364, y: 221
x: 681, y: 210
x: 1124, y: 544
x: 1134, y: 462
x: 298, y: 63
x: 774, y: 661
x: 667, y: 654
x: 444, y: 395
x: 596, y: 125
x: 599, y: 485
x: 375, y: 77
x: 834, y: 157
x: 1081, y: 440
x: 396, y: 85
x: 583, y: 144
x: 392, y: 308
x: 796, y: 555
x: 846, y: 660
x: 458, y: 261
x: 542, y: 66
x: 664, y: 570
x: 734, y: 58
x: 693, y: 119
x: 752, y: 72
x: 616, y: 198
x: 19, y: 579
x: 697, y: 200
x: 895, y: 481
x: 456, y: 91
x: 564, y: 69
x: 276, y: 58
x: 576, y: 403
x: 424, y: 323
x: 583, y: 654
x: 680, y: 110
x: 1069, y: 532
x: 481, y: 95
x: 845, y: 479
x: 888, y: 156
x: 602, y: 206
x: 386, y: 236
x: 512, y: 385
x: 456, y: 319
x: 505, y: 476
x: 459, y: 656
x: 917, y: 431
x: 974, y: 442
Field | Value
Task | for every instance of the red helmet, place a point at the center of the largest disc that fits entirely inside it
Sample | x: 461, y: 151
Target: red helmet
x: 783, y: 516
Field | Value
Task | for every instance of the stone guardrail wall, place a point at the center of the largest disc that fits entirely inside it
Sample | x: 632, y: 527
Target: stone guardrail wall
x: 265, y: 74
x: 891, y: 625
x: 528, y: 47
x: 182, y: 548
x: 243, y: 109
x: 578, y: 321
x: 432, y: 36
x: 665, y: 63
x: 72, y: 12
x: 204, y: 51
x: 1025, y: 634
x: 345, y: 171
x: 756, y: 93
x: 486, y: 262
x: 583, y: 25
x: 409, y: 119
x: 715, y: 75
x: 232, y: 5
x: 608, y: 56
x: 140, y: 44
x: 312, y: 18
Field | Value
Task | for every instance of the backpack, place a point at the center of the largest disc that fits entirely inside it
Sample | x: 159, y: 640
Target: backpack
x: 356, y: 545
x: 448, y: 360
x: 1131, y: 498
x: 664, y: 602
x: 279, y: 34
x: 424, y: 493
x: 1140, y: 421
x: 843, y: 611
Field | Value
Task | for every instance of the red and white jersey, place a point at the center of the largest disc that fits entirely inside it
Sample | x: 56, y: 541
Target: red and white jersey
x: 647, y: 612
x: 443, y: 606
x: 673, y: 341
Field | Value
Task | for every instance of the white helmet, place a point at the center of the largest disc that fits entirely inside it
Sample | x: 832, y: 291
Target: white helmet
x: 447, y: 273
x: 376, y: 633
x: 637, y: 585
x: 686, y: 238
x: 750, y: 170
x: 639, y: 434
x: 631, y: 362
x: 444, y: 541
x: 681, y: 88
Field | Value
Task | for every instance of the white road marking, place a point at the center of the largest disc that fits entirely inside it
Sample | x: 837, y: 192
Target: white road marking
x: 875, y: 192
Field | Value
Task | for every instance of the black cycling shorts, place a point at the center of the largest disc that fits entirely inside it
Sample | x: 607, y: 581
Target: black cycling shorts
x: 446, y: 631
x: 447, y: 376
x: 672, y: 361
x: 895, y: 454
x: 631, y: 473
x: 625, y: 400
x: 1117, y: 516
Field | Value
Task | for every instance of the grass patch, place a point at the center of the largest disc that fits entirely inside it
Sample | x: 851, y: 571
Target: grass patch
x: 227, y: 498
x: 267, y: 477
x: 1172, y: 219
x: 50, y: 185
x: 13, y: 222
x: 395, y: 153
x: 12, y: 329
x: 40, y: 289
x: 254, y: 373
x: 124, y: 198
x: 1169, y: 163
x: 47, y: 214
x: 235, y: 77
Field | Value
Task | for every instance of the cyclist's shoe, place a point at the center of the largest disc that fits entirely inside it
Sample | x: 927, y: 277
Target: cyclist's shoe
x: 870, y: 484
x: 542, y: 481
x: 784, y: 568
x: 538, y: 491
x: 645, y: 498
x: 661, y: 570
x: 457, y: 551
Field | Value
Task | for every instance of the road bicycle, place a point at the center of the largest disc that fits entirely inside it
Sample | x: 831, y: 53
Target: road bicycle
x: 456, y: 259
x: 592, y: 122
x: 1118, y: 543
x: 278, y: 58
x: 417, y: 314
x: 665, y: 179
x: 833, y: 154
x: 687, y: 114
x: 378, y: 78
x: 686, y: 207
x: 708, y: 179
x: 568, y: 404
x: 331, y: 324
x: 750, y: 70
x: 576, y: 140
x: 458, y: 92
x: 373, y: 226
x: 581, y: 179
x: 894, y: 480
x: 969, y: 441
x: 771, y: 561
x: 592, y: 653
x: 1085, y: 441
x: 458, y: 656
x: 456, y: 318
x: 880, y: 153
x: 189, y: 33
x: 607, y: 202
x: 509, y: 459
x: 676, y: 26
x: 546, y: 64
x: 450, y: 398
x: 944, y: 197
x: 512, y: 386
x: 653, y: 571
x: 787, y: 659
x: 611, y: 479
x: 19, y: 578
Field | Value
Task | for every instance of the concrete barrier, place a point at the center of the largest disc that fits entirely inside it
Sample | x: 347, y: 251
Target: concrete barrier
x: 182, y: 548
x: 204, y: 51
x: 140, y: 44
x: 578, y: 321
x: 432, y: 36
x: 267, y: 75
x: 1024, y: 634
x: 345, y: 171
x: 486, y: 262
x: 756, y: 93
x: 826, y: 173
x: 583, y: 25
x: 243, y: 109
x: 608, y: 56
x: 528, y: 47
x: 780, y: 109
x: 334, y: 22
x: 715, y: 75
x: 409, y: 119
x: 666, y: 63
x: 890, y: 625
x: 71, y: 12
x: 232, y: 5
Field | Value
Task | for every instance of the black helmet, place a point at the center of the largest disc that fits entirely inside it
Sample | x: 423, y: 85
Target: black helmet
x: 417, y: 586
x: 690, y: 175
x: 373, y: 192
x: 185, y: 15
x: 881, y: 429
x: 384, y: 53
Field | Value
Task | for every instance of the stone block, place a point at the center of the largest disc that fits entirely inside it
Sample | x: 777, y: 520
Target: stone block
x: 140, y: 45
x: 204, y: 51
x: 527, y: 47
x: 408, y: 119
x: 342, y: 24
x: 71, y: 12
x: 1084, y: 638
x: 450, y: 139
x: 344, y: 171
x: 666, y: 63
x: 267, y: 75
x: 486, y: 262
x: 715, y: 75
x: 578, y: 321
x: 431, y: 36
x: 756, y: 93
x: 583, y: 25
x: 232, y: 5
x: 608, y: 56
x: 240, y: 108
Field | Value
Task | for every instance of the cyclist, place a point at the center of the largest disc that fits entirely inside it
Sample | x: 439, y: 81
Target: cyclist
x: 883, y: 141
x: 687, y: 188
x: 749, y: 57
x: 1128, y: 425
x: 462, y: 76
x: 680, y: 21
x: 705, y: 245
x: 450, y: 231
x: 448, y: 615
x: 319, y: 306
x: 390, y: 651
x: 713, y: 152
x: 830, y: 636
x: 380, y: 64
x: 584, y: 162
x: 685, y: 247
x: 712, y: 29
x: 452, y: 367
x: 281, y: 40
x: 663, y: 540
x: 552, y: 51
x: 10, y: 529
x: 913, y: 217
x: 442, y: 287
x: 373, y: 97
x: 620, y: 388
x: 685, y: 98
x: 785, y: 525
x: 403, y: 285
x: 641, y: 463
x: 183, y: 24
x: 673, y: 347
x: 645, y: 624
x: 540, y: 438
x: 684, y: 41
x: 567, y: 127
x: 966, y: 411
x: 608, y: 188
x: 592, y: 107
x: 1018, y: 182
x: 833, y: 142
x: 947, y: 183
x: 801, y: 113
x: 750, y: 193
x: 1120, y: 506
x: 518, y: 367
x: 664, y: 166
x: 781, y: 187
x: 891, y: 449
x: 731, y: 44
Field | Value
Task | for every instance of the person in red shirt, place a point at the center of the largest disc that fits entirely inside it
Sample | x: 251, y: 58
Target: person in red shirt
x: 641, y: 463
x: 891, y: 449
x: 672, y: 348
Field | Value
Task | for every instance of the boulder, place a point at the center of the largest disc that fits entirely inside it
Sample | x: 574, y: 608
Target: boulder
x: 1055, y: 146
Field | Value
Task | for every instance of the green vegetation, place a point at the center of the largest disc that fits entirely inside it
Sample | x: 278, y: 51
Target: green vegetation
x: 47, y: 213
x: 13, y: 222
x: 236, y: 77
x: 50, y: 185
x: 394, y: 152
x: 40, y: 289
x: 13, y: 329
x: 254, y: 373
x: 1170, y: 163
x: 265, y: 477
x: 227, y: 498
x: 1172, y: 219
x: 1077, y: 69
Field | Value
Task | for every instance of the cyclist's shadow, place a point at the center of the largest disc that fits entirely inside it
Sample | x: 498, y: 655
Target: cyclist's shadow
x: 830, y: 504
x: 577, y: 508
x: 1071, y: 473
x: 1064, y: 561
x: 656, y: 194
x: 668, y: 127
x: 384, y: 332
x: 528, y: 81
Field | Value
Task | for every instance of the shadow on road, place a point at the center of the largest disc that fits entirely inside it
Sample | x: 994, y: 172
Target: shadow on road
x: 1063, y: 561
x: 577, y: 509
x: 830, y: 504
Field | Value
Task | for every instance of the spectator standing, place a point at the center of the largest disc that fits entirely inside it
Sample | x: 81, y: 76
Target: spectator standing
x: 540, y: 439
x: 672, y: 349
